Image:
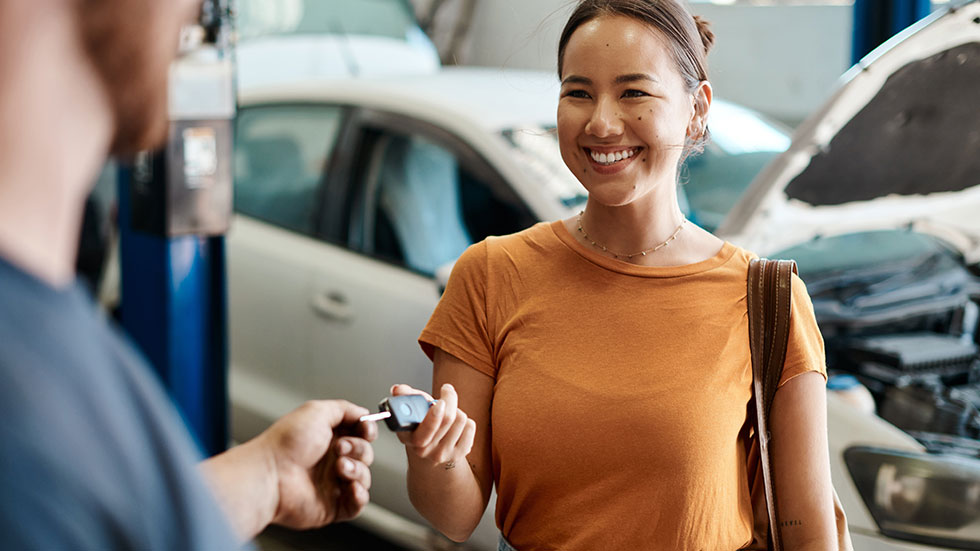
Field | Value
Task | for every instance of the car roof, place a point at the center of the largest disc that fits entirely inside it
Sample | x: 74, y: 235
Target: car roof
x: 494, y: 99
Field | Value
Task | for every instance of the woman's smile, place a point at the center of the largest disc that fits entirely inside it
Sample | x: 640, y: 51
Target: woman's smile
x: 611, y: 160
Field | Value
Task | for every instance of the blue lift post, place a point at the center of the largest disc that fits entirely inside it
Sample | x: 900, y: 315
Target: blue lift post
x: 174, y: 307
x: 875, y: 21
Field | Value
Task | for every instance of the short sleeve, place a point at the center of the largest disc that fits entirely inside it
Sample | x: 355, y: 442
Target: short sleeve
x: 459, y: 323
x: 805, y: 350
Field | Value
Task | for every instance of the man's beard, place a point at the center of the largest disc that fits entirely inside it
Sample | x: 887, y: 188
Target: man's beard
x: 130, y: 44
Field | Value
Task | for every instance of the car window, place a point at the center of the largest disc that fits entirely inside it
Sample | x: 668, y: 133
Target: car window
x: 741, y: 144
x: 280, y: 154
x: 386, y: 18
x: 425, y: 205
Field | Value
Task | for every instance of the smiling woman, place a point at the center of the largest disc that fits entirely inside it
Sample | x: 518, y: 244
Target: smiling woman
x: 595, y: 370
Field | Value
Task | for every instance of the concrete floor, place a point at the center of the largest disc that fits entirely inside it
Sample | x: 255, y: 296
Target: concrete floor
x: 338, y: 537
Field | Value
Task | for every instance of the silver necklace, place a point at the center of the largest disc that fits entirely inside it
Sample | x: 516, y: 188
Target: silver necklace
x: 644, y: 252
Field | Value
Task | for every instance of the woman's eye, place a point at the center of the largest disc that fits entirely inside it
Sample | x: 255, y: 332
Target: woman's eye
x: 581, y: 94
x: 634, y: 94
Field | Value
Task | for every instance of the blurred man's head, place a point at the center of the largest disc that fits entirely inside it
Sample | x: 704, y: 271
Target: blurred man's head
x: 131, y: 44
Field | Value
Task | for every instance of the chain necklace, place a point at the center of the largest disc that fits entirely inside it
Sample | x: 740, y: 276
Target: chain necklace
x: 644, y: 252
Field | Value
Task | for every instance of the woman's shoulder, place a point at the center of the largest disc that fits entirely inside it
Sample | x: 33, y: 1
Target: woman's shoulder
x: 514, y: 247
x: 519, y: 244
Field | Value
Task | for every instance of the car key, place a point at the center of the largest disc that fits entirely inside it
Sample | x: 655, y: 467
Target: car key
x: 401, y: 413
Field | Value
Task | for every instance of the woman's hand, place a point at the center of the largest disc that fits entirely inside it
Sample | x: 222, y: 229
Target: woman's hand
x: 445, y: 436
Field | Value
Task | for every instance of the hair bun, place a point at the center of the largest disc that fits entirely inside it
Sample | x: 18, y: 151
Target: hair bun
x: 704, y: 29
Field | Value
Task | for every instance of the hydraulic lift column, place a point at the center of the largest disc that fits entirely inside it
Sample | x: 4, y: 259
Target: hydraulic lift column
x: 174, y: 208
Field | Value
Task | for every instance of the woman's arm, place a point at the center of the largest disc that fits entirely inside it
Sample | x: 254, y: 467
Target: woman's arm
x: 800, y: 464
x: 449, y: 465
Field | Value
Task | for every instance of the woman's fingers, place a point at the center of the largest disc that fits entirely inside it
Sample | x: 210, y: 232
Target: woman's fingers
x: 427, y: 429
x: 447, y: 395
x: 446, y: 448
x: 445, y: 433
x: 465, y: 444
x: 402, y: 390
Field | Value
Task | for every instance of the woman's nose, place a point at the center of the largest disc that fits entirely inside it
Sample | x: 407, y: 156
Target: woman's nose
x: 605, y: 120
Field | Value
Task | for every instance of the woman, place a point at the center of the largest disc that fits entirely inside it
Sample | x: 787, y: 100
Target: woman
x: 597, y: 369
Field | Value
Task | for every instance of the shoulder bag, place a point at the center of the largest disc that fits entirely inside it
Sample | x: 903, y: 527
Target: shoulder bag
x: 770, y: 297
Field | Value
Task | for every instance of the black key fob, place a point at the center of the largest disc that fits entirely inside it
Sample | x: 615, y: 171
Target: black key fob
x: 406, y: 412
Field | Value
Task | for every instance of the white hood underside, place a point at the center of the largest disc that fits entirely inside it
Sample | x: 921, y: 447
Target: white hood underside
x: 905, y: 126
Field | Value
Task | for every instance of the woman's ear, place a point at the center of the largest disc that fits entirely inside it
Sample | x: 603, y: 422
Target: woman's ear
x: 702, y: 102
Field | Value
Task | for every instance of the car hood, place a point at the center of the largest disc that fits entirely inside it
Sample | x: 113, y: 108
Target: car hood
x: 897, y: 145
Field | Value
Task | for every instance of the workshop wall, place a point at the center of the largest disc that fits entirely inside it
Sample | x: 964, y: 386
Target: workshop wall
x: 782, y: 60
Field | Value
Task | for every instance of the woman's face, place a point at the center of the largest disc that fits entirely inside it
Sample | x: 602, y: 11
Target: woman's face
x: 624, y: 111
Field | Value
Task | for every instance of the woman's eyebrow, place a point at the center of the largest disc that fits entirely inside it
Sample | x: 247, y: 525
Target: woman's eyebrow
x: 621, y: 79
x: 575, y: 79
x: 633, y: 77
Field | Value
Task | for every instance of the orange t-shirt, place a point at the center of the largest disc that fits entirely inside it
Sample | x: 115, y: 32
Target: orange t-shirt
x: 621, y: 391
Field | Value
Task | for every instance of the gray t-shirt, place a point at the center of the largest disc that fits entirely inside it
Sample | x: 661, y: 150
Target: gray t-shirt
x: 92, y: 453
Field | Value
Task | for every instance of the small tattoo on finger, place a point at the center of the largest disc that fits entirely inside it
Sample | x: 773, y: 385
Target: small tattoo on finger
x: 449, y: 465
x: 786, y: 523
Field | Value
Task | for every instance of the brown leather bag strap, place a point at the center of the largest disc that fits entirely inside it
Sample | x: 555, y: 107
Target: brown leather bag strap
x: 769, y: 295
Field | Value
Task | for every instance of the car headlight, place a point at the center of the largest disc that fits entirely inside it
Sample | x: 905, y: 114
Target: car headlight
x: 933, y: 499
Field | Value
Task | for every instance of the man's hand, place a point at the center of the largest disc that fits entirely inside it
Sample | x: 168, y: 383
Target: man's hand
x: 321, y: 456
x: 308, y: 469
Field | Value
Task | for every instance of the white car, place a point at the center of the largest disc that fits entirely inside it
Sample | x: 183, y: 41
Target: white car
x: 285, y: 40
x: 354, y: 197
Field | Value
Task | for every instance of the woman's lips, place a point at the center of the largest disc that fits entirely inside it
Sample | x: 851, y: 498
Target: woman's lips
x: 610, y: 160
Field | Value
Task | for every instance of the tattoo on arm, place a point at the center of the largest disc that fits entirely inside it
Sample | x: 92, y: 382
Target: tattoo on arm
x: 788, y: 523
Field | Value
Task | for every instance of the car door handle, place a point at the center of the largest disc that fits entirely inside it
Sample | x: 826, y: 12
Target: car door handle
x: 332, y: 306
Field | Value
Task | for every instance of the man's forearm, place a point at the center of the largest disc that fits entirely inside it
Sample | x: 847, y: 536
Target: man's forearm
x: 243, y: 480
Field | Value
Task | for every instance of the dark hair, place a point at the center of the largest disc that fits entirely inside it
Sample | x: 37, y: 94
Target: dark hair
x: 688, y: 36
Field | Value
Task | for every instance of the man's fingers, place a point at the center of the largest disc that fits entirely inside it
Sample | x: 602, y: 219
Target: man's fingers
x: 367, y: 430
x: 354, y: 471
x: 352, y: 500
x: 334, y: 413
x: 355, y: 448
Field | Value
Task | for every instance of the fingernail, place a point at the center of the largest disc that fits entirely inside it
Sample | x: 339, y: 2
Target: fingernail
x: 347, y: 465
x: 345, y: 447
x: 392, y: 390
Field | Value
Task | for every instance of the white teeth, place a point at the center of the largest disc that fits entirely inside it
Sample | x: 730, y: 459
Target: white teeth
x: 610, y: 158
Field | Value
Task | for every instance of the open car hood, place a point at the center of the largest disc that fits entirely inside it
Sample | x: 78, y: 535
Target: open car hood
x: 897, y: 145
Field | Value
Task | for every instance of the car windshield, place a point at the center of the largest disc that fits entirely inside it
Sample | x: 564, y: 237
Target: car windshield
x: 742, y: 142
x: 537, y: 150
x: 385, y: 18
x: 855, y: 253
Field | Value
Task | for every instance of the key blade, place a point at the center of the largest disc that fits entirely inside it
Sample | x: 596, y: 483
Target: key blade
x: 375, y: 416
